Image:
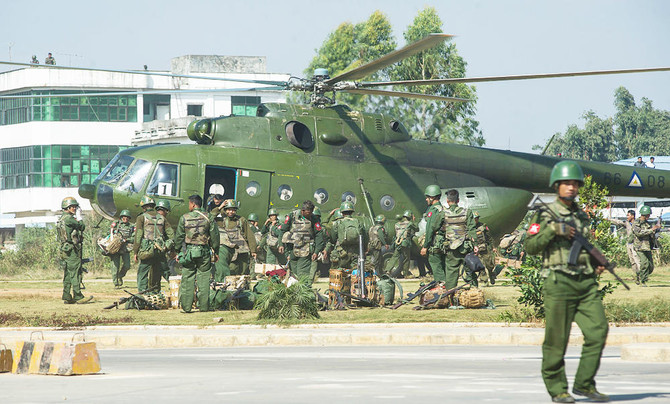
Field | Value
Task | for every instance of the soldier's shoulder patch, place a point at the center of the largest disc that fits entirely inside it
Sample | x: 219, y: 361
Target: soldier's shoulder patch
x: 114, y: 224
x: 317, y: 226
x: 287, y: 219
x: 534, y: 229
x: 430, y: 213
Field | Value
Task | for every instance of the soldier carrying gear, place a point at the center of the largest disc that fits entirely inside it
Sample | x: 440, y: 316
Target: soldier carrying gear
x: 163, y: 208
x: 153, y: 236
x: 405, y: 228
x: 121, y: 259
x: 643, y: 233
x: 70, y: 233
x: 302, y: 230
x: 345, y: 237
x: 377, y: 239
x: 253, y: 223
x: 197, y: 236
x: 272, y: 231
x: 238, y: 242
x: 484, y: 247
x: 570, y: 291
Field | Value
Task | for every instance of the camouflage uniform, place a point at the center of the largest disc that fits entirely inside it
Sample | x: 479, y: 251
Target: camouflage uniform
x: 272, y: 233
x: 347, y: 249
x: 485, y: 249
x: 306, y: 237
x: 237, y: 241
x: 49, y: 60
x: 377, y: 239
x: 570, y: 294
x: 643, y: 233
x: 196, y: 237
x: 70, y: 232
x: 151, y: 231
x: 404, y: 232
x: 121, y: 260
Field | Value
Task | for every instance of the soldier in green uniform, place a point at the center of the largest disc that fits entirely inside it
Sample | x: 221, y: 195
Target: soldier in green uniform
x: 644, y: 233
x: 377, y: 239
x: 198, y: 236
x: 320, y: 255
x: 484, y: 248
x: 345, y: 237
x: 70, y: 232
x: 238, y: 241
x: 152, y: 238
x: 303, y: 232
x: 398, y: 264
x: 449, y: 235
x: 163, y: 208
x: 272, y: 231
x: 121, y: 260
x: 252, y: 219
x: 49, y: 60
x: 570, y: 291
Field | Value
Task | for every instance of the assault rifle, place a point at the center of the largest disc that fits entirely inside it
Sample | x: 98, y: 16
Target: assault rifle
x: 363, y: 301
x: 580, y: 242
x: 139, y: 296
x: 84, y: 270
x: 412, y: 296
x: 437, y: 297
x: 361, y: 267
x: 656, y: 245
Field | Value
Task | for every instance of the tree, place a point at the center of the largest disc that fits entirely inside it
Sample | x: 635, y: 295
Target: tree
x: 595, y: 142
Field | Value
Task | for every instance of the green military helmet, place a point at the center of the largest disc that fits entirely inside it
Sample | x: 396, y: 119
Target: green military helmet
x: 253, y: 217
x: 565, y: 171
x: 338, y: 214
x: 272, y: 211
x: 645, y: 210
x: 408, y: 214
x: 347, y: 206
x: 125, y: 212
x: 433, y: 190
x: 475, y: 214
x: 380, y: 219
x: 68, y: 201
x: 316, y: 211
x: 147, y: 200
x: 163, y: 204
x: 230, y: 204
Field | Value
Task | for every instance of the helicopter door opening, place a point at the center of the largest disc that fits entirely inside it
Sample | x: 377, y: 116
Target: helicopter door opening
x: 220, y: 180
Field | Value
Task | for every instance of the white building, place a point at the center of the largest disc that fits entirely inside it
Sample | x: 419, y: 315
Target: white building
x: 50, y: 146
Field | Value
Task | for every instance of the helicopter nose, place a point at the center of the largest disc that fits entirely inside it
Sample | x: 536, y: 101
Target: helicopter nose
x: 87, y: 191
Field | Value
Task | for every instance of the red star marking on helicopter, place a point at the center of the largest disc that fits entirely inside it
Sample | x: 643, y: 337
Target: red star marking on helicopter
x: 534, y: 229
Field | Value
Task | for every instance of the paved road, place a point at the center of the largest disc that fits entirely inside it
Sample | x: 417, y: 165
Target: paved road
x: 381, y: 374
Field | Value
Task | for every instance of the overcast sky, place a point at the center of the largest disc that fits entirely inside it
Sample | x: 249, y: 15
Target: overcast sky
x: 495, y: 37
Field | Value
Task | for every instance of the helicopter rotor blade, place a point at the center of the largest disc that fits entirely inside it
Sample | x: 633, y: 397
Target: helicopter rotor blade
x: 402, y: 94
x: 456, y: 80
x: 425, y: 43
x: 103, y: 94
x: 147, y: 73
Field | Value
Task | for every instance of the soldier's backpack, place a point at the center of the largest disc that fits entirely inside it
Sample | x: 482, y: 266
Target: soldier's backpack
x: 387, y: 285
x: 472, y: 298
x: 507, y: 241
x: 348, y: 232
x: 473, y: 263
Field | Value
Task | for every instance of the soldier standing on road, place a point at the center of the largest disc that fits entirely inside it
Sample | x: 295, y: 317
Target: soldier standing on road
x: 484, y: 247
x: 377, y: 239
x: 163, y: 208
x: 570, y: 291
x: 152, y: 238
x: 345, y: 236
x: 644, y: 233
x: 70, y: 232
x: 121, y: 260
x: 303, y: 231
x: 238, y: 242
x: 272, y: 231
x: 398, y: 264
x: 199, y: 236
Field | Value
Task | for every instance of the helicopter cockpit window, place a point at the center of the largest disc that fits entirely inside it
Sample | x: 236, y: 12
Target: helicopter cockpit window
x: 164, y: 181
x: 349, y: 196
x: 285, y: 192
x: 253, y: 188
x: 137, y: 175
x: 387, y: 202
x: 115, y: 169
x: 321, y: 196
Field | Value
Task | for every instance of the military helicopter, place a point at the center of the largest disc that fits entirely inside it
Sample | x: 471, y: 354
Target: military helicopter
x: 330, y: 153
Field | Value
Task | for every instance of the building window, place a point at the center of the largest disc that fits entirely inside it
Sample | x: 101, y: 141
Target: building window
x: 53, y: 166
x: 245, y: 105
x: 194, y: 110
x: 121, y: 108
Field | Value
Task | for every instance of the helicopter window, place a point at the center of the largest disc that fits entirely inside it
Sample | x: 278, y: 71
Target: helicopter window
x: 299, y: 135
x: 285, y: 192
x: 349, y: 196
x: 321, y: 196
x: 137, y: 175
x: 253, y: 188
x: 387, y: 202
x: 115, y: 169
x: 164, y: 181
